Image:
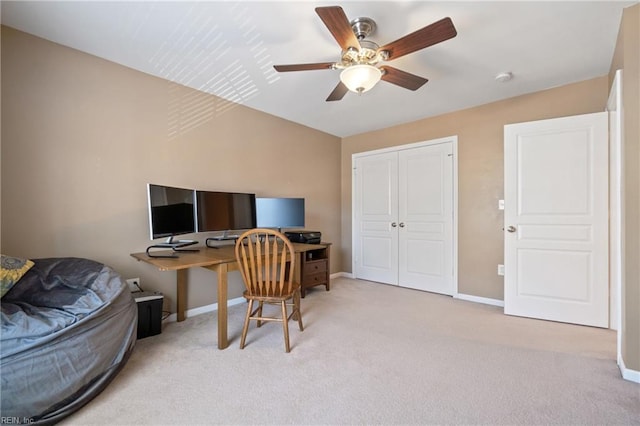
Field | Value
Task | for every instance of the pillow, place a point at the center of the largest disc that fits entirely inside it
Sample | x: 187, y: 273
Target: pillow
x: 12, y: 270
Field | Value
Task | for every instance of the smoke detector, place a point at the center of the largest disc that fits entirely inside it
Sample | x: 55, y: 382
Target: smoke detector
x: 503, y: 77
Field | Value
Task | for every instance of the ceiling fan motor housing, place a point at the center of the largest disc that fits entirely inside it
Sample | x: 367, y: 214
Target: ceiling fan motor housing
x: 363, y: 27
x: 367, y: 54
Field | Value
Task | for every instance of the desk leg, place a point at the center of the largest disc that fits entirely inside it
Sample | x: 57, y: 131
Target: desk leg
x: 222, y: 306
x: 181, y: 290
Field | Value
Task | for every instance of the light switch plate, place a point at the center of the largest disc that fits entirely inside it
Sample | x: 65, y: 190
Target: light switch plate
x: 500, y: 204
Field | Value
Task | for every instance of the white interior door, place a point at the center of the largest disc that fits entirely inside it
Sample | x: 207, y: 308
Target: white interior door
x: 403, y: 204
x: 375, y: 217
x: 556, y: 219
x: 425, y: 215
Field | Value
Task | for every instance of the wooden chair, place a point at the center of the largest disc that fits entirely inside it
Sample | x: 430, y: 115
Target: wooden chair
x: 266, y: 259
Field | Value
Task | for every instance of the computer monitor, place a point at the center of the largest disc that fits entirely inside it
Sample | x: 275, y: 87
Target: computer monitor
x: 280, y: 213
x: 171, y: 211
x: 225, y: 211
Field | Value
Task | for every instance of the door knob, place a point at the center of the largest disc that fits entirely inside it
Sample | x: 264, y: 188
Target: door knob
x: 401, y: 224
x: 393, y: 224
x: 511, y: 229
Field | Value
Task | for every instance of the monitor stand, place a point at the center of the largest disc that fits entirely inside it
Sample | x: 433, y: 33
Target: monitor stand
x: 226, y: 236
x: 176, y: 245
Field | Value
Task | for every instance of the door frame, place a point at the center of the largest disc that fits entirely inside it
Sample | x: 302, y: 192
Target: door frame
x: 616, y: 216
x: 453, y: 140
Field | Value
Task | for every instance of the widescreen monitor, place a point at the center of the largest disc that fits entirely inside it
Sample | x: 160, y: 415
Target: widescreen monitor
x: 171, y: 211
x: 280, y: 212
x: 225, y: 211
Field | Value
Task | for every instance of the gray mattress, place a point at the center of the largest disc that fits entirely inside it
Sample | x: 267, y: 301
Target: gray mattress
x: 68, y: 327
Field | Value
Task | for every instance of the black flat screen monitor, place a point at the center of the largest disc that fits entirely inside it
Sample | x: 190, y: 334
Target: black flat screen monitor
x: 171, y: 211
x: 280, y: 212
x: 225, y: 211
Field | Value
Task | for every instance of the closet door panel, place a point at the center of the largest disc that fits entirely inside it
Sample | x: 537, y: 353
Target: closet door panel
x: 425, y: 196
x: 376, y: 212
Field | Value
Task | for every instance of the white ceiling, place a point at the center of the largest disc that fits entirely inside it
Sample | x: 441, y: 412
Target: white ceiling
x: 229, y: 49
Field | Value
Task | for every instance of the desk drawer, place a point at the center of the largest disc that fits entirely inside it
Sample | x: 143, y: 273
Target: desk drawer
x: 315, y: 266
x: 314, y: 279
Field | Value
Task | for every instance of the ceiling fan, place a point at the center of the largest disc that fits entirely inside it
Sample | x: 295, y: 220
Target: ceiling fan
x: 360, y: 58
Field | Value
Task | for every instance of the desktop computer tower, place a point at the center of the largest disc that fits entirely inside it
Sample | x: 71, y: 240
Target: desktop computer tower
x: 149, y: 313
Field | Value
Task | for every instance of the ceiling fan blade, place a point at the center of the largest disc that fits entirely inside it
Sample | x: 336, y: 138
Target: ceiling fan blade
x: 338, y: 93
x: 428, y: 36
x: 402, y: 78
x: 305, y: 67
x: 338, y: 24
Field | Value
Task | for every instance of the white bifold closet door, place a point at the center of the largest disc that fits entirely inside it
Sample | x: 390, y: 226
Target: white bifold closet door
x: 403, y: 217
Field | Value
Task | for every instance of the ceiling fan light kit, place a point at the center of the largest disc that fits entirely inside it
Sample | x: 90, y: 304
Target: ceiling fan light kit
x: 360, y: 78
x: 360, y: 57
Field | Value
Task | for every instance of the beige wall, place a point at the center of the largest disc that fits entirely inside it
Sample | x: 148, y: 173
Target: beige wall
x: 627, y: 58
x: 480, y: 171
x: 81, y: 138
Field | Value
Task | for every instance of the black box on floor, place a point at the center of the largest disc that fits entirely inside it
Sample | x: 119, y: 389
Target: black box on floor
x: 149, y: 313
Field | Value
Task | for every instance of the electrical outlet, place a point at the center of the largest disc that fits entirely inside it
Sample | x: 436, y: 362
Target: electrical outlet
x: 500, y: 269
x: 134, y: 284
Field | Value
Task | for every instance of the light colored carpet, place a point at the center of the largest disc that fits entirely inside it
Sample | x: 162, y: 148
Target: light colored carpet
x: 373, y: 354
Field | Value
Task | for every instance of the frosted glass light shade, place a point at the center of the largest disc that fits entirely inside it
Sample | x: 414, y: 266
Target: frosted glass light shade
x: 360, y: 78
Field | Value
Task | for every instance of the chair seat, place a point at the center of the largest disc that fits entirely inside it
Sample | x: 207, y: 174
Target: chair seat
x: 272, y: 295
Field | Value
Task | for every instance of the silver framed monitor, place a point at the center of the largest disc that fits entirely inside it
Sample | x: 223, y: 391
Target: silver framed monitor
x: 280, y: 213
x: 171, y: 212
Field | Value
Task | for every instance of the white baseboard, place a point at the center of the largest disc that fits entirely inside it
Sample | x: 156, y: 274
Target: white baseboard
x: 467, y: 297
x: 478, y: 299
x: 628, y: 374
x: 238, y: 300
x: 204, y: 309
x: 341, y: 275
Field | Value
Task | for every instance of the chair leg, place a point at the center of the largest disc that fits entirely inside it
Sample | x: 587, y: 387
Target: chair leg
x: 246, y: 324
x: 261, y: 303
x: 285, y: 326
x: 296, y: 306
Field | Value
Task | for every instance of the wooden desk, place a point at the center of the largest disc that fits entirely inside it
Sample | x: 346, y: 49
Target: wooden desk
x: 221, y: 260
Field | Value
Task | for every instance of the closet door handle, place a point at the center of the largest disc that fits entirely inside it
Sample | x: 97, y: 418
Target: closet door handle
x: 401, y: 224
x: 393, y: 224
